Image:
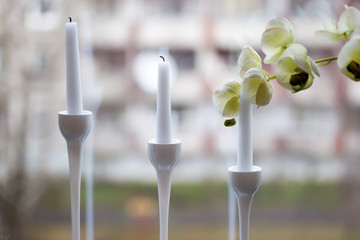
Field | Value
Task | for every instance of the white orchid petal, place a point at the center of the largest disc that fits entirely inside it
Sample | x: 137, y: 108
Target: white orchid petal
x: 295, y: 48
x: 292, y: 67
x: 302, y: 64
x: 314, y: 67
x: 278, y: 35
x: 284, y: 69
x: 264, y: 93
x: 309, y: 82
x: 224, y: 99
x: 251, y: 86
x: 231, y: 108
x: 274, y: 56
x: 232, y: 87
x: 248, y: 58
x: 274, y: 41
x: 280, y: 22
x: 350, y: 52
x: 255, y: 87
x: 329, y: 25
x: 349, y: 20
x: 329, y: 36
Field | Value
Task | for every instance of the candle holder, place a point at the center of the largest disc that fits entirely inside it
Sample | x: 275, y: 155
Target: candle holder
x: 164, y: 158
x: 244, y: 184
x: 75, y: 128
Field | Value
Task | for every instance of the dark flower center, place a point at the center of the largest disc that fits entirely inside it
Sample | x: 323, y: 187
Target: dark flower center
x: 354, y: 68
x: 299, y: 80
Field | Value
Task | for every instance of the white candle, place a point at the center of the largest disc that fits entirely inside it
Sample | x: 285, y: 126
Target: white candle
x: 245, y: 149
x: 73, y: 80
x: 163, y: 130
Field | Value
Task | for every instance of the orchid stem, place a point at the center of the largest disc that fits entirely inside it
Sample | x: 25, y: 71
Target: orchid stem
x: 271, y: 78
x: 267, y: 73
x: 325, y: 61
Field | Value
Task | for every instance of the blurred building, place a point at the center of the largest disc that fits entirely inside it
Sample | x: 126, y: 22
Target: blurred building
x: 315, y: 131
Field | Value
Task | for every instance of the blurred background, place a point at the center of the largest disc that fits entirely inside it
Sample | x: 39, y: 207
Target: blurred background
x: 307, y: 143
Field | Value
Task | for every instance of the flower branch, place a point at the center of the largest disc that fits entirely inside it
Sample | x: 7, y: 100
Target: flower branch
x: 294, y: 69
x: 325, y: 61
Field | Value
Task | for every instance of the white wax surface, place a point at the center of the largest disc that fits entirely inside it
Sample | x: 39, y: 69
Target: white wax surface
x: 245, y: 149
x: 163, y: 130
x: 73, y: 79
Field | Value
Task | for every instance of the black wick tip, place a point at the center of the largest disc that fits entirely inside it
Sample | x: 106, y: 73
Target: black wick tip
x: 70, y: 19
x: 162, y: 58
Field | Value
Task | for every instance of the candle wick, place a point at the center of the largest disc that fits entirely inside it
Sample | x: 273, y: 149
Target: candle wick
x: 70, y: 19
x: 162, y: 58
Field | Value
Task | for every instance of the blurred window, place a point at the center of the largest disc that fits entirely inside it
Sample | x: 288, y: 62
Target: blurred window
x: 175, y: 7
x: 313, y: 8
x: 235, y: 8
x: 180, y: 7
x: 185, y: 59
x: 45, y: 6
x: 1, y: 63
x: 43, y: 15
x: 228, y: 56
x: 110, y: 59
x: 39, y: 65
x: 296, y: 4
x: 107, y: 8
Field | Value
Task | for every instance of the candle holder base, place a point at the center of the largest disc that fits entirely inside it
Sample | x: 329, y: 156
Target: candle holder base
x: 245, y: 185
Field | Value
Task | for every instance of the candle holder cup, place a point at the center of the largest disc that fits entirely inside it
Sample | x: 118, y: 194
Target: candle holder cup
x: 75, y: 129
x: 245, y: 185
x: 164, y: 158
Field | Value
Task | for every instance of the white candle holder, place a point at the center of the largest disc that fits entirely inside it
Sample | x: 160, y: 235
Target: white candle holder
x: 164, y: 157
x: 244, y: 184
x: 75, y: 128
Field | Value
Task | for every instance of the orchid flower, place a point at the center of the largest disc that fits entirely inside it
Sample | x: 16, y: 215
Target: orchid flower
x: 248, y: 59
x: 256, y: 88
x: 278, y: 35
x: 349, y: 58
x: 334, y: 32
x: 295, y: 69
x: 227, y: 99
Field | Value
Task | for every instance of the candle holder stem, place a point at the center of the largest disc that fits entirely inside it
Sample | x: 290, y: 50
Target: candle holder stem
x: 74, y: 152
x: 244, y: 203
x: 245, y: 185
x: 164, y: 188
x: 232, y: 218
x: 75, y: 129
x: 164, y: 158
